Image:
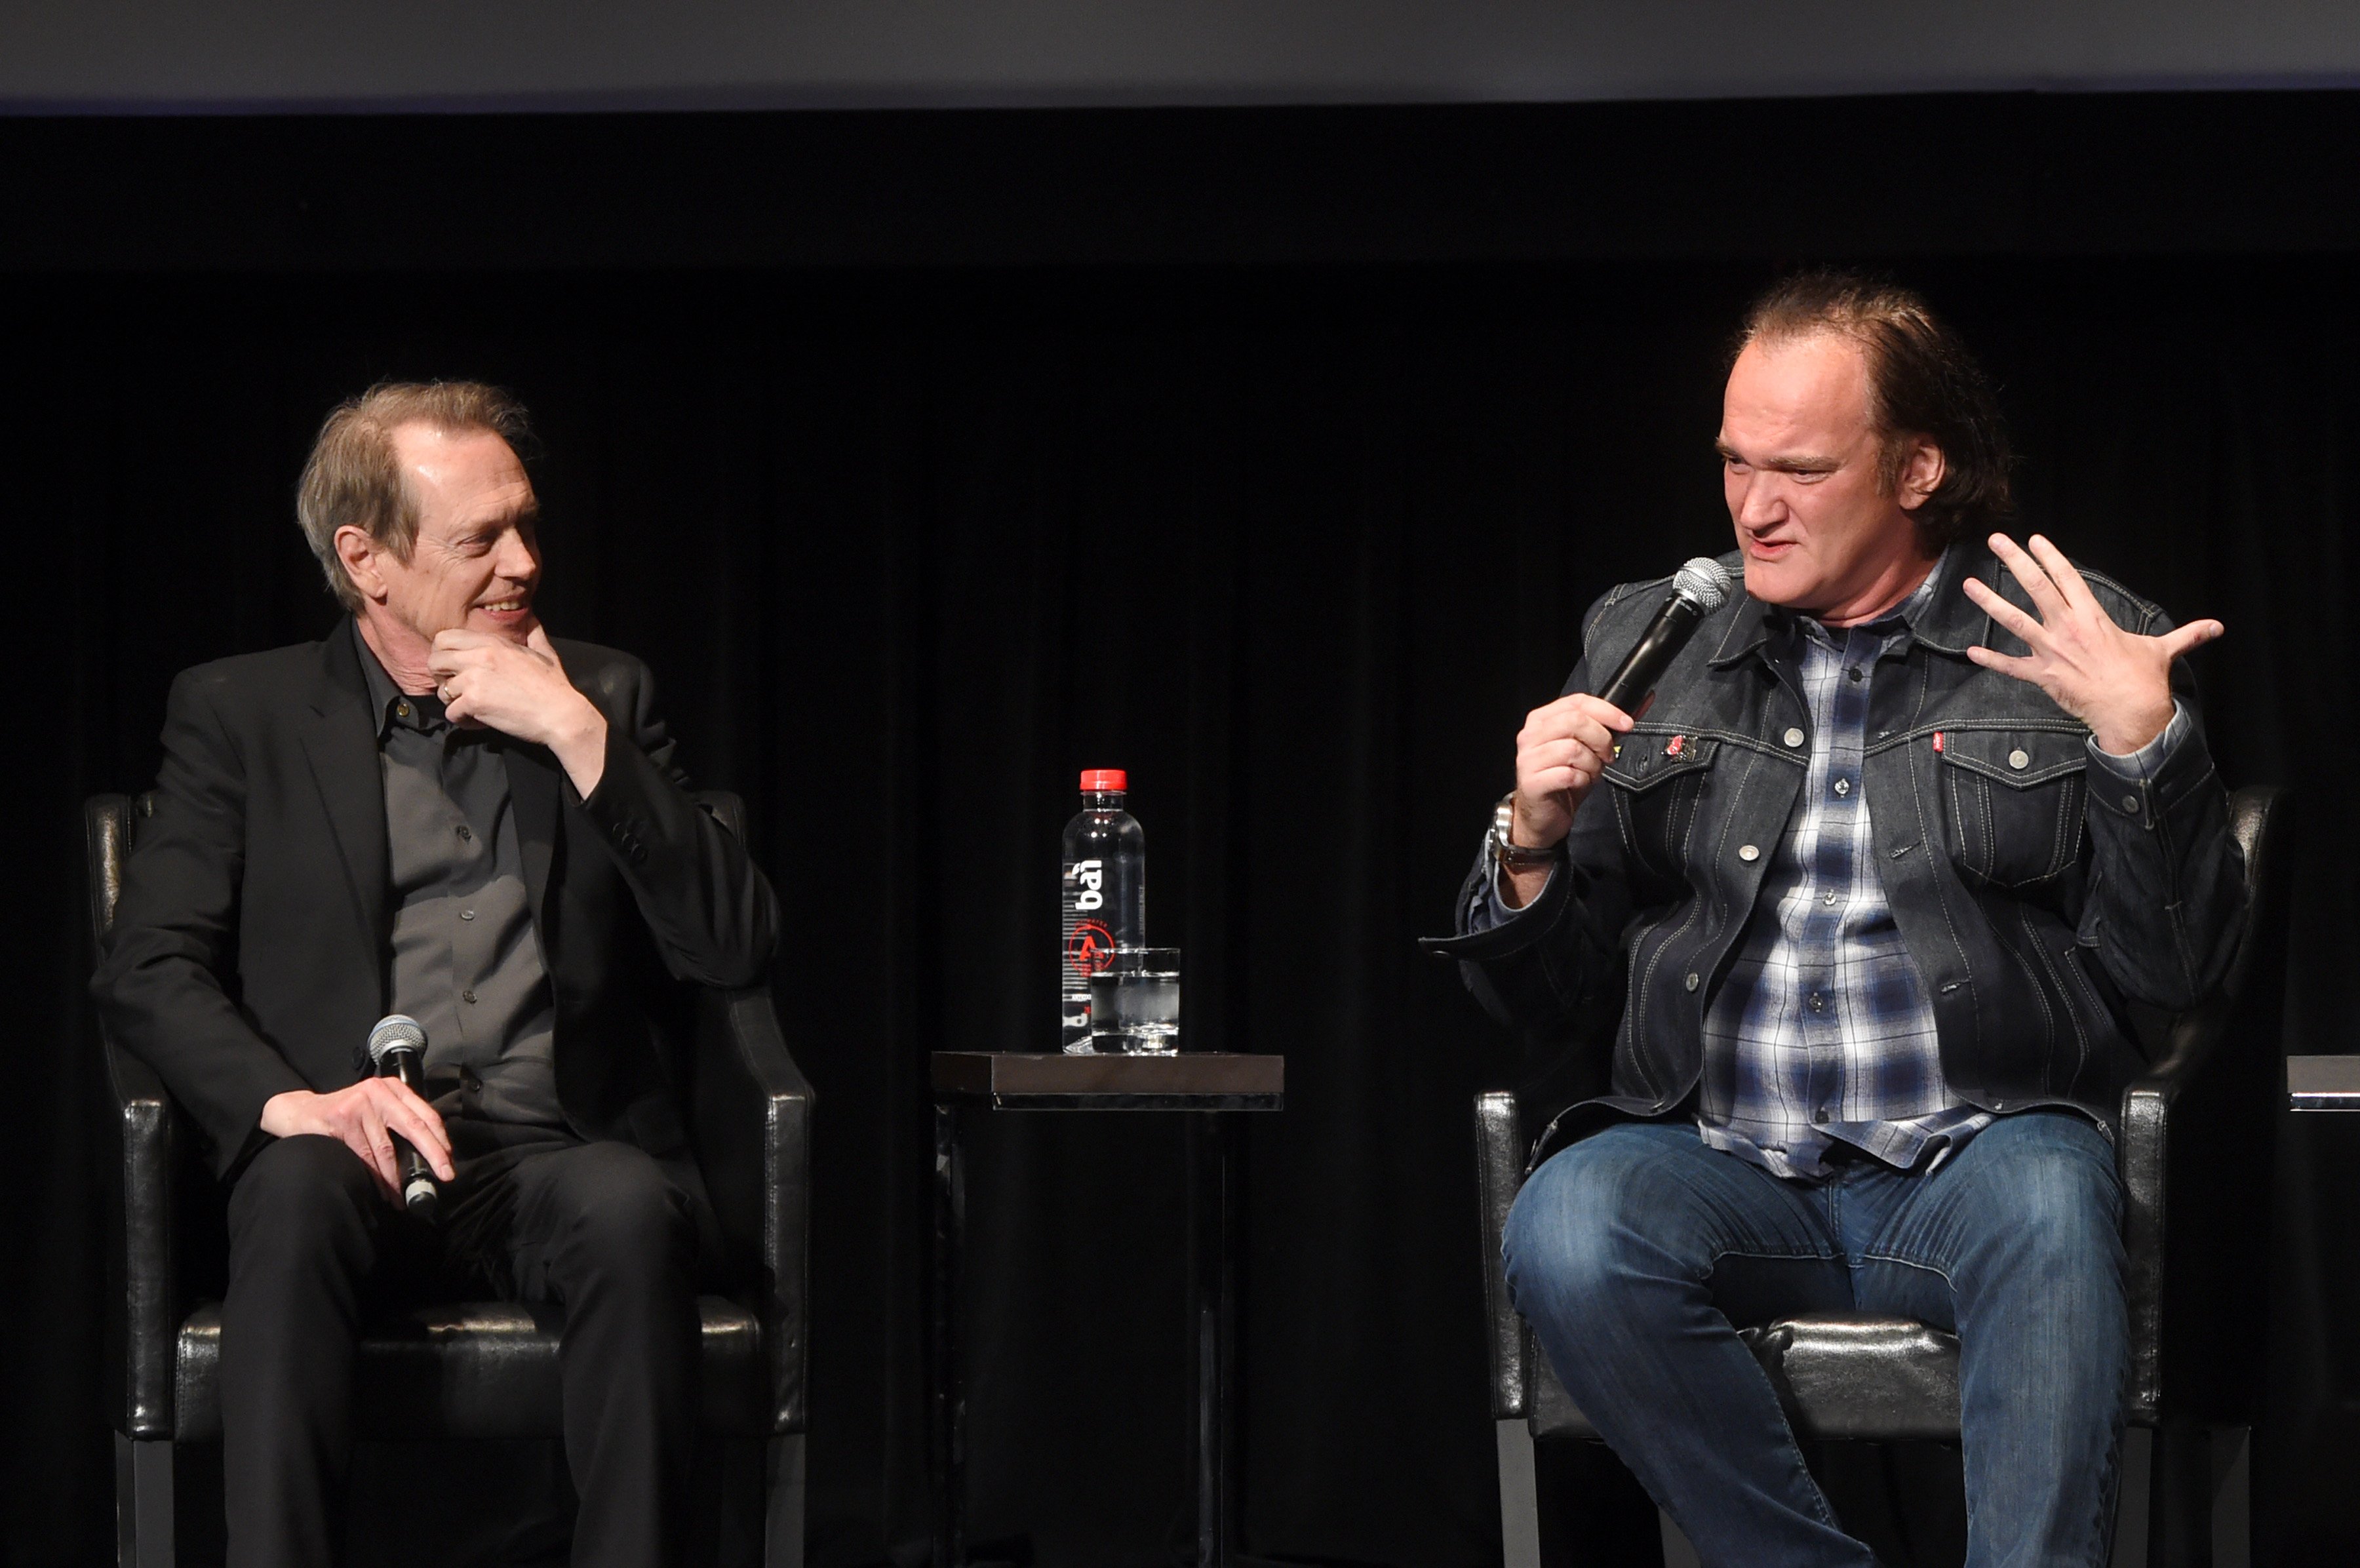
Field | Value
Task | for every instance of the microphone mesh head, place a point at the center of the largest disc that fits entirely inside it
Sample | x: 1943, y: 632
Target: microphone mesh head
x: 398, y: 1031
x: 1703, y: 580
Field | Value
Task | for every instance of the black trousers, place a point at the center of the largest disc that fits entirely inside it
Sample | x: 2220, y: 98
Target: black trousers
x: 534, y: 1216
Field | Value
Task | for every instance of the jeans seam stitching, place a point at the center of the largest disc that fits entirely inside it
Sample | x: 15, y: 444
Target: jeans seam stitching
x: 1934, y: 1269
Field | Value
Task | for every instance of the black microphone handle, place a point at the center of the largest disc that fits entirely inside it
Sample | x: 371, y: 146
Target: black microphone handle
x: 419, y: 1193
x: 1668, y: 633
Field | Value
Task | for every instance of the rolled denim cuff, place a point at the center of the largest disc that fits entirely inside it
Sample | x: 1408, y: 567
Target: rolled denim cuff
x: 2141, y: 767
x: 1490, y: 909
x: 2149, y: 782
x: 1487, y: 929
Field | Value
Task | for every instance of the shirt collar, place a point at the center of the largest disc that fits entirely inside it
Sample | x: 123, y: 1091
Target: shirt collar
x: 1756, y: 624
x: 390, y: 703
x: 1898, y: 621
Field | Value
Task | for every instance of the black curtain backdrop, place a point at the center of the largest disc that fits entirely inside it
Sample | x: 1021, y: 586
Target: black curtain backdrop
x: 1297, y: 543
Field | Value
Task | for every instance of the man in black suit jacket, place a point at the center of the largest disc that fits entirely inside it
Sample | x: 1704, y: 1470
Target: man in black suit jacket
x: 441, y: 811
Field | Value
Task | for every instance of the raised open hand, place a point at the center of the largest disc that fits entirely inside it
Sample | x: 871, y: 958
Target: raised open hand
x: 2115, y: 681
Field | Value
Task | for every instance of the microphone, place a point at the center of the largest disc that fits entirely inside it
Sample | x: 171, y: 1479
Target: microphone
x: 397, y: 1049
x: 1697, y: 589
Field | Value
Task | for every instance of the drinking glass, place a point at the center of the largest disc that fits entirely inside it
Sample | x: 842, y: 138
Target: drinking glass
x: 1135, y: 1003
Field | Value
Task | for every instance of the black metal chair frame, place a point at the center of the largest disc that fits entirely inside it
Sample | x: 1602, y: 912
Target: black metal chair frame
x: 750, y: 1112
x: 2196, y: 1141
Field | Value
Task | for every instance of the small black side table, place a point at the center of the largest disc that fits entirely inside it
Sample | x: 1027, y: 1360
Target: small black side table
x: 1206, y: 1082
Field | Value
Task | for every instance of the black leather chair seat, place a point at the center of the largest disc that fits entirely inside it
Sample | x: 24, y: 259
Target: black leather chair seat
x: 478, y: 1369
x: 1838, y: 1377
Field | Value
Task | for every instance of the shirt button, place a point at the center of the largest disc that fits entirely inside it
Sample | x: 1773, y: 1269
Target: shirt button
x: 401, y: 709
x: 1821, y: 1117
x: 2019, y: 758
x: 1794, y: 737
x: 1692, y: 982
x: 1832, y: 895
x: 466, y: 914
x: 1819, y: 1003
x: 1854, y: 672
x: 1843, y: 786
x: 467, y: 997
x: 1749, y: 852
x: 464, y: 834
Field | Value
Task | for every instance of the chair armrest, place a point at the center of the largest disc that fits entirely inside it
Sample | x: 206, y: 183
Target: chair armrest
x: 751, y: 1115
x: 2142, y: 1161
x: 2197, y: 1135
x: 1499, y: 1175
x: 143, y: 1300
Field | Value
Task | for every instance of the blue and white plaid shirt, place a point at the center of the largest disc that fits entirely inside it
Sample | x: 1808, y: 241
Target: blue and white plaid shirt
x: 1822, y: 1031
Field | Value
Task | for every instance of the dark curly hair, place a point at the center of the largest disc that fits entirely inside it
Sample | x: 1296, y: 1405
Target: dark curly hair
x: 1922, y: 382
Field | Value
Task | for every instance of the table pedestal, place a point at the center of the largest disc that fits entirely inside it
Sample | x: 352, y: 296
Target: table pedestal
x: 1210, y: 1087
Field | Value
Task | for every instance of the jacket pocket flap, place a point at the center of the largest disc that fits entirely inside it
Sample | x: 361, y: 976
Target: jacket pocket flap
x: 1645, y: 760
x: 2018, y: 758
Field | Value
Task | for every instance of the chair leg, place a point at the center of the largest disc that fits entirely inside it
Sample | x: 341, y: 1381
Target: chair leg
x: 143, y: 1502
x: 1520, y: 1500
x: 2130, y: 1498
x: 1677, y: 1552
x: 2179, y: 1498
x: 2233, y: 1485
x: 782, y: 1503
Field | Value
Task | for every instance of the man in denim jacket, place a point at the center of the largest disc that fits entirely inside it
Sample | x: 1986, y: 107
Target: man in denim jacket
x: 1868, y: 886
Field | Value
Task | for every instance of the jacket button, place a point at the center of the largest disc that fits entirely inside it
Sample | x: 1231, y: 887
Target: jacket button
x: 1794, y: 737
x: 1749, y: 852
x: 1692, y: 982
x: 2130, y: 804
x: 2019, y: 758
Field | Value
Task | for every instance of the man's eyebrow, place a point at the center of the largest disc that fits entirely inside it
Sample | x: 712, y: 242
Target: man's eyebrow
x: 1785, y: 462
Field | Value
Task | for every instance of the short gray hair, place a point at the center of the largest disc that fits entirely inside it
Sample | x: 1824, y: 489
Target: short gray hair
x: 352, y: 479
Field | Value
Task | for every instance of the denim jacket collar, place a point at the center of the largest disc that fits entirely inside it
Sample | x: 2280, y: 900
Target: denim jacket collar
x: 1945, y: 620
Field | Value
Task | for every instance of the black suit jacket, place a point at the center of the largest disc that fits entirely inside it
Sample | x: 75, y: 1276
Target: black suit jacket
x: 251, y: 951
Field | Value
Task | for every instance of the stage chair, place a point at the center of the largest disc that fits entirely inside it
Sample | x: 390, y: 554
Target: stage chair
x: 2197, y: 1139
x: 469, y: 1369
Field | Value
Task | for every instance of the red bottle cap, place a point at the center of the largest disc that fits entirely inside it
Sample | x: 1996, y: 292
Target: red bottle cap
x: 1099, y: 781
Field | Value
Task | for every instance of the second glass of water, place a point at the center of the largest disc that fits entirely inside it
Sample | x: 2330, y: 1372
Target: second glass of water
x: 1135, y: 1003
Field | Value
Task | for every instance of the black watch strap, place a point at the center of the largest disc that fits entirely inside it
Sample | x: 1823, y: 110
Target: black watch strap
x: 1506, y: 850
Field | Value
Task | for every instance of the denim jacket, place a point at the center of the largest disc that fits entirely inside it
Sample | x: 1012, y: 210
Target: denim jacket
x: 2036, y: 894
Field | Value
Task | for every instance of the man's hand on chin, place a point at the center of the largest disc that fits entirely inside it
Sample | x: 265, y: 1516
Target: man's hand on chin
x: 521, y: 690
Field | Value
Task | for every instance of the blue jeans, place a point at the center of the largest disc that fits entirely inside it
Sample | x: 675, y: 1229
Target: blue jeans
x: 1635, y: 1252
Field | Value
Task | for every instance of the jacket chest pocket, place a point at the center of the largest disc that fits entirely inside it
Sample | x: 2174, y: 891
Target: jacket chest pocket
x: 1658, y: 779
x: 2012, y: 803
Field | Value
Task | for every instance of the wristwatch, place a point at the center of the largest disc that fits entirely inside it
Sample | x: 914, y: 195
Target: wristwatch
x: 1505, y: 851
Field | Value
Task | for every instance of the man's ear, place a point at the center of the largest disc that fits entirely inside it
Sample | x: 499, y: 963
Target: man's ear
x: 1922, y: 468
x: 360, y: 555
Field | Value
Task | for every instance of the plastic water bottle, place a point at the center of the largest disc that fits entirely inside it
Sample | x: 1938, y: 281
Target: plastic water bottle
x: 1103, y: 889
